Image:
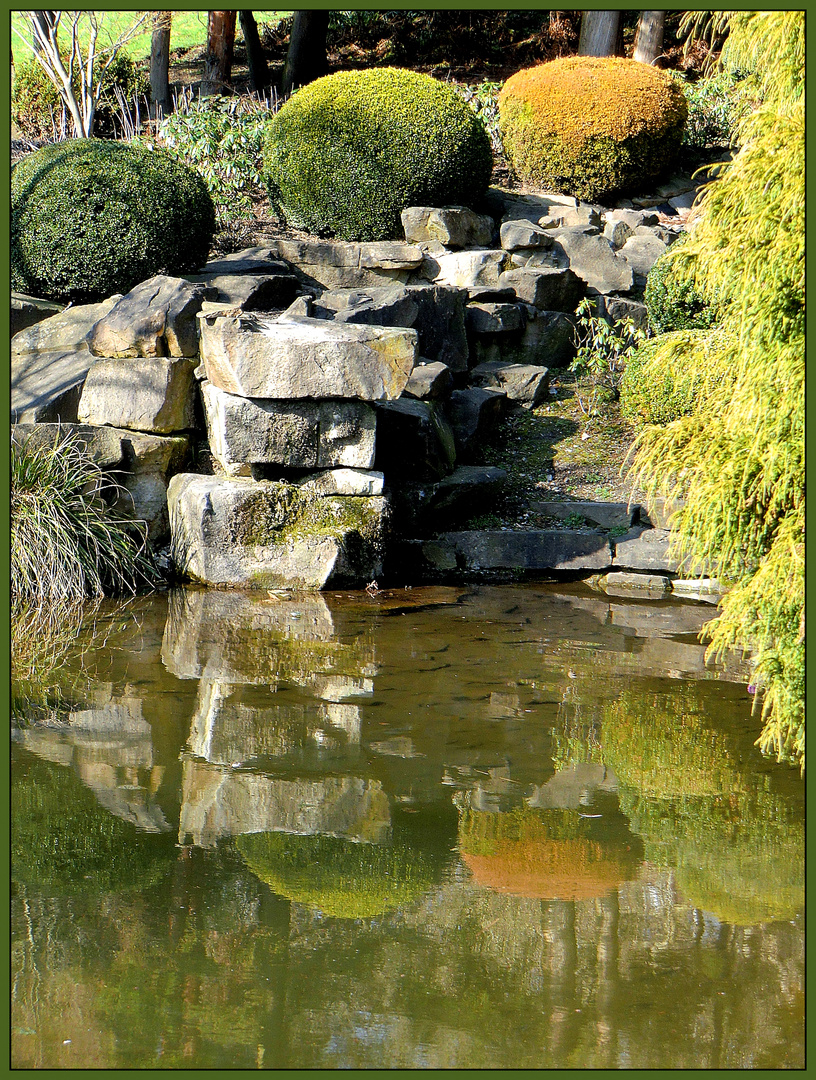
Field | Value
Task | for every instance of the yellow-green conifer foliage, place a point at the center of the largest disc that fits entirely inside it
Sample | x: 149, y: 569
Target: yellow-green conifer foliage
x: 738, y: 459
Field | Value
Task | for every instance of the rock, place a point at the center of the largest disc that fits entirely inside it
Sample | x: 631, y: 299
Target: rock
x: 633, y: 218
x: 465, y: 269
x: 256, y: 260
x: 645, y: 549
x: 344, y: 482
x: 659, y: 512
x: 549, y: 339
x: 524, y: 383
x: 523, y: 234
x: 642, y: 252
x: 606, y: 515
x: 511, y: 206
x: 618, y: 308
x: 490, y: 294
x: 468, y: 489
x: 534, y: 549
x: 266, y: 535
x: 143, y: 496
x: 453, y: 226
x: 707, y: 589
x: 414, y: 440
x: 617, y: 233
x: 156, y: 318
x: 552, y: 258
x: 473, y: 413
x: 153, y: 394
x: 102, y: 444
x: 582, y: 214
x: 63, y: 333
x: 296, y: 434
x: 256, y: 357
x: 593, y: 259
x: 619, y: 583
x: 547, y: 288
x: 436, y: 312
x: 495, y: 318
x: 28, y: 310
x: 684, y: 201
x: 343, y: 264
x: 429, y: 382
x: 252, y: 292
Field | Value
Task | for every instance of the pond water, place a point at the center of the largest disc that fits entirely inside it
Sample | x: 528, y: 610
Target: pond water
x: 497, y: 827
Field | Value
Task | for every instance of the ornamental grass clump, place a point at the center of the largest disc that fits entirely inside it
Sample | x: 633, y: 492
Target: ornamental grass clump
x: 349, y: 152
x: 66, y: 542
x: 90, y: 218
x: 591, y: 127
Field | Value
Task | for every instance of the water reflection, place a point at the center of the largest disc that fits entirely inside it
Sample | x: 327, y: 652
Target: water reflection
x: 518, y: 825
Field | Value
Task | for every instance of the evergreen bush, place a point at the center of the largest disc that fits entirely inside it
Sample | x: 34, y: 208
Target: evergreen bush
x: 672, y: 301
x: 347, y: 153
x: 90, y: 218
x: 591, y: 127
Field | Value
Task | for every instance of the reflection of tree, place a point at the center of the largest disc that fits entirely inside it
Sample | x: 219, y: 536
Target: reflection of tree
x: 338, y: 877
x: 736, y: 844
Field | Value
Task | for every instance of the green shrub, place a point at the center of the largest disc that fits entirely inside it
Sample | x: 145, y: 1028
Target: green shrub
x: 602, y: 352
x: 673, y: 302
x: 90, y: 218
x: 591, y: 127
x: 37, y: 108
x: 66, y: 542
x: 715, y: 108
x: 347, y: 153
x: 659, y: 385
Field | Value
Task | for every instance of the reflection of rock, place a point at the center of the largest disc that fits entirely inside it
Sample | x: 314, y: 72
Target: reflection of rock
x: 572, y: 787
x: 111, y: 750
x: 219, y: 802
x: 250, y: 638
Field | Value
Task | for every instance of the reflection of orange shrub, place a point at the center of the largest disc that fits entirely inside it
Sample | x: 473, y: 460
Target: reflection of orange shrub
x: 517, y: 853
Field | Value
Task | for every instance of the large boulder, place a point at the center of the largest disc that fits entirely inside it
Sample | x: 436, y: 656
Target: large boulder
x: 594, y: 260
x: 340, y: 264
x: 473, y: 413
x: 266, y: 534
x: 453, y: 226
x: 296, y: 434
x: 414, y: 440
x: 524, y: 383
x: 156, y: 318
x: 305, y: 358
x: 465, y: 269
x: 546, y: 287
x: 153, y: 394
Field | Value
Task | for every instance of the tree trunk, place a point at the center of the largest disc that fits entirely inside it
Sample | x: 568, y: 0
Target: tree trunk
x: 599, y: 33
x: 258, y: 67
x: 160, y: 64
x: 220, y: 45
x: 306, y: 58
x: 649, y: 39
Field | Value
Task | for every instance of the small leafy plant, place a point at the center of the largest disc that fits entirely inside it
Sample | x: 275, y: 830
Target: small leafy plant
x: 600, y: 361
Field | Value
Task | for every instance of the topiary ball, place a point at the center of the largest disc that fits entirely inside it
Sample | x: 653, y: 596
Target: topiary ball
x: 349, y: 152
x: 591, y: 127
x: 90, y: 218
x: 672, y: 301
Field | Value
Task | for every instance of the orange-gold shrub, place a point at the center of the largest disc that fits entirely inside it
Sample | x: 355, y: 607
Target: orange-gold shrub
x: 591, y: 127
x: 545, y: 856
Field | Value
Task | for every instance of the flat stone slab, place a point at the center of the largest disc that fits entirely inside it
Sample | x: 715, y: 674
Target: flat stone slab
x: 265, y: 535
x: 344, y: 264
x: 252, y: 291
x: 621, y: 583
x: 306, y: 358
x: 453, y: 226
x: 645, y: 549
x: 345, y: 482
x: 28, y: 310
x: 297, y: 434
x: 534, y: 549
x: 153, y: 394
x: 606, y: 515
x: 525, y: 383
x: 102, y: 444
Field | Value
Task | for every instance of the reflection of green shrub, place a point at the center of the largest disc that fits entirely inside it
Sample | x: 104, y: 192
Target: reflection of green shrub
x: 589, y: 126
x: 347, y: 153
x: 338, y: 877
x: 90, y: 218
x: 64, y: 842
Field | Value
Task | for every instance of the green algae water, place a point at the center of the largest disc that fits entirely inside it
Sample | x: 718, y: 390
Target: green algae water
x: 496, y: 827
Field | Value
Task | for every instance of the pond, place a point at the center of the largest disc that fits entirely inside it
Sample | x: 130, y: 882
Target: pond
x: 516, y: 826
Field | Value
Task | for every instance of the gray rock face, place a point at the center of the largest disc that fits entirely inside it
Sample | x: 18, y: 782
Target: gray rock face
x: 465, y: 269
x: 255, y: 260
x: 347, y: 265
x: 156, y: 318
x: 524, y: 383
x: 473, y: 413
x: 642, y: 252
x: 468, y: 489
x: 63, y: 333
x: 633, y: 218
x: 259, y: 534
x: 645, y: 549
x: 453, y: 226
x: 252, y: 292
x: 511, y: 206
x: 541, y: 549
x: 429, y: 382
x: 617, y: 233
x: 489, y: 318
x: 153, y: 394
x: 414, y: 440
x: 345, y: 482
x: 102, y: 444
x: 547, y: 288
x: 606, y: 515
x: 297, y: 434
x: 593, y: 259
x: 523, y: 234
x: 582, y: 214
x: 28, y: 310
x: 618, y: 308
x: 306, y: 358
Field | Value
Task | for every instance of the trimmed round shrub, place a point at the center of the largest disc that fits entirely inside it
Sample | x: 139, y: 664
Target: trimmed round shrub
x: 90, y: 218
x: 673, y: 303
x: 591, y: 127
x: 347, y: 153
